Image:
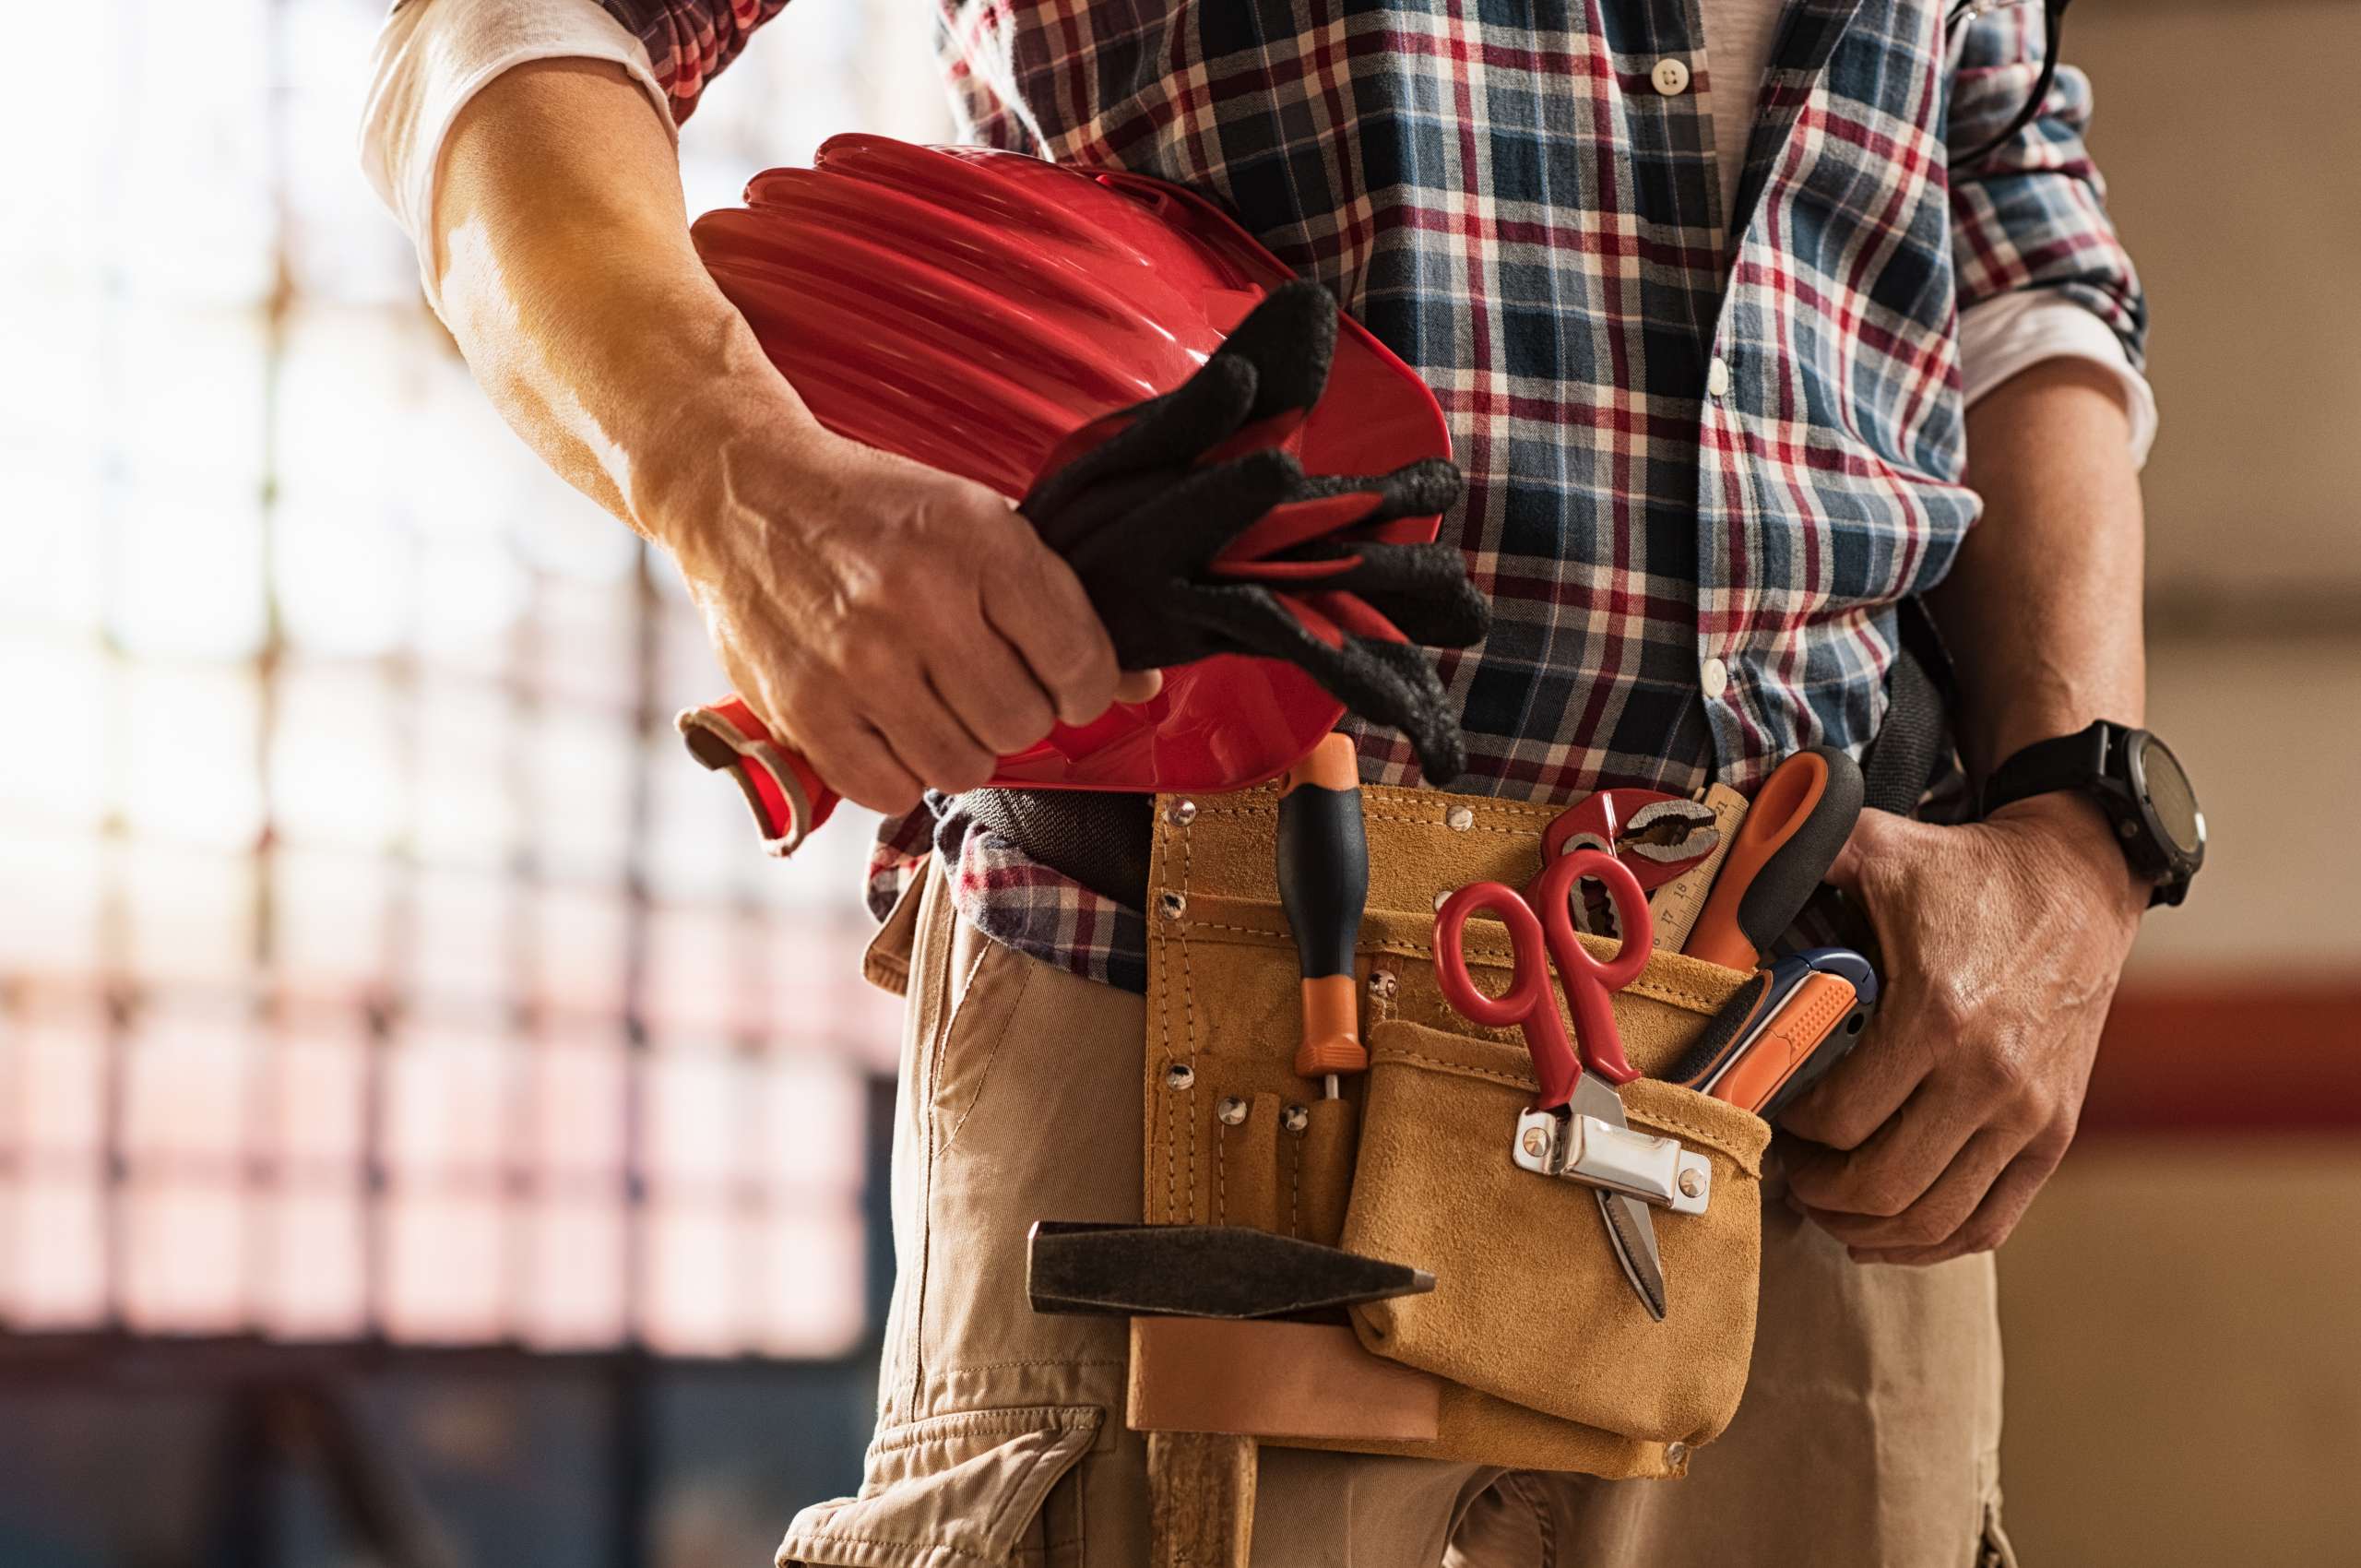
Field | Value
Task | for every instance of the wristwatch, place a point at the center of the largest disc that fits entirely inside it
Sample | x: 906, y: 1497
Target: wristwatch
x: 2136, y: 781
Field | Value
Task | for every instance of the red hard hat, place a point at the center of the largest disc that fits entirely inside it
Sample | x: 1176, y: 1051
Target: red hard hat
x: 970, y: 309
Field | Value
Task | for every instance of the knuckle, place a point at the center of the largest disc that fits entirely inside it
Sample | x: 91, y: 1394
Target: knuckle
x: 1842, y: 1129
x: 1949, y: 1014
x: 1981, y: 1239
x: 1018, y: 724
x: 866, y: 658
x: 1880, y: 1193
x: 2007, y: 1071
x: 1917, y: 1226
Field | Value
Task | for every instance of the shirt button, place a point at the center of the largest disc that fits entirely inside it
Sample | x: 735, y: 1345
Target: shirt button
x: 1717, y: 377
x: 1716, y: 676
x: 1671, y: 78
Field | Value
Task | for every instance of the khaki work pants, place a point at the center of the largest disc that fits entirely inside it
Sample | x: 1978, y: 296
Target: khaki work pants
x: 1868, y: 1434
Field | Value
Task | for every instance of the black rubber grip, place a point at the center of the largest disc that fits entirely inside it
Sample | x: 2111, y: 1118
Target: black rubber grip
x: 1324, y: 875
x: 1787, y: 882
x: 1721, y: 1032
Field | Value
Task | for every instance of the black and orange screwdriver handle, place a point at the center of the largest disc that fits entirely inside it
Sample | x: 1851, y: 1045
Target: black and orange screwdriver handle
x: 1323, y: 886
x: 1799, y: 820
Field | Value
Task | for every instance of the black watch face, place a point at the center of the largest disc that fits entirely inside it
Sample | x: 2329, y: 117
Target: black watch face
x: 2172, y: 803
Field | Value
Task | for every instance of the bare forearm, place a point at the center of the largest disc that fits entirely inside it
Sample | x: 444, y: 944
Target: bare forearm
x: 567, y: 276
x: 2042, y: 608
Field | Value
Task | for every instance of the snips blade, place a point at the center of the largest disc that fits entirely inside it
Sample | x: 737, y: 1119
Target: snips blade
x: 1630, y: 1228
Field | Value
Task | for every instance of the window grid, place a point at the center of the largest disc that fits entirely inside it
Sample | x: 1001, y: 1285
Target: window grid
x: 372, y: 962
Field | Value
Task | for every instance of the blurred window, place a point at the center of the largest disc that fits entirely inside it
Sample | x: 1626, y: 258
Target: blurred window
x: 372, y: 962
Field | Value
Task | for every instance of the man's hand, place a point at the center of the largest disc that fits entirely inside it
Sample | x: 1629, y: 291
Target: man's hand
x: 2002, y: 943
x: 900, y: 626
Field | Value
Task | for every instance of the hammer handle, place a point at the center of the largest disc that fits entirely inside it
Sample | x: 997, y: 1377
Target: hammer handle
x: 1201, y: 1499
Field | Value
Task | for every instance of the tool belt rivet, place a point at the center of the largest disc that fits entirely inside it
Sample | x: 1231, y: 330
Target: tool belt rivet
x: 1295, y: 1117
x: 1180, y: 1076
x: 1381, y: 984
x: 1171, y: 906
x: 1180, y: 814
x: 1232, y: 1111
x: 1459, y: 819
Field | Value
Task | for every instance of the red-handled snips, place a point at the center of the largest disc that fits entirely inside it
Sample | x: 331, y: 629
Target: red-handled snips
x: 1541, y: 933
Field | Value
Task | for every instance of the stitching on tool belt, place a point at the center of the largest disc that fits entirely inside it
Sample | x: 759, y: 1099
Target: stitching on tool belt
x: 1295, y: 1188
x: 1164, y: 1024
x: 1221, y: 1180
x: 1716, y: 1141
x: 1189, y: 1007
x: 1500, y: 958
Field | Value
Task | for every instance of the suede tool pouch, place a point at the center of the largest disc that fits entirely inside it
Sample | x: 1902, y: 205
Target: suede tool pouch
x: 1549, y: 1361
x: 1530, y: 1305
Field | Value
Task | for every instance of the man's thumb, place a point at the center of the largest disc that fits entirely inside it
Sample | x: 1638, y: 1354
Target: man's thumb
x: 1875, y: 834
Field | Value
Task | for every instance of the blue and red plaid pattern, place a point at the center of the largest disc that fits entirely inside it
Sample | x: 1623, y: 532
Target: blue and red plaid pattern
x: 689, y: 44
x: 1707, y: 452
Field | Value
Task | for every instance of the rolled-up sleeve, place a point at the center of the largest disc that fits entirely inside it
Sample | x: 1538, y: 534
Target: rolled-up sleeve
x: 433, y: 56
x: 2030, y: 215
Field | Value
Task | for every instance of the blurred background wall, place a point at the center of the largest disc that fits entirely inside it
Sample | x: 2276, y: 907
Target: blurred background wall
x: 428, y: 1133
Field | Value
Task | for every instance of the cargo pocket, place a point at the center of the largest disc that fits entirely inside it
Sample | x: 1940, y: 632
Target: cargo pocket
x: 947, y: 1491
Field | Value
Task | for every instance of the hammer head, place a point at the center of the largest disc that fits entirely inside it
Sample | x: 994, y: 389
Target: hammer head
x: 1218, y: 1271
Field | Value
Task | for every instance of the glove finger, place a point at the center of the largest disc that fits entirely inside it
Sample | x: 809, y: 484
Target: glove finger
x: 1298, y: 523
x: 1423, y: 489
x: 1166, y: 433
x: 1423, y: 588
x: 1290, y: 340
x: 1177, y: 532
x: 1387, y: 683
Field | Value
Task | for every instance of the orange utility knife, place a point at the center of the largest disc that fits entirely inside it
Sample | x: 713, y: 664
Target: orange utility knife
x: 1807, y: 1012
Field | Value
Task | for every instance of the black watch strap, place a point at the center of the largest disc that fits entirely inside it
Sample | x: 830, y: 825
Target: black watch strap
x: 2119, y: 769
x: 2076, y: 761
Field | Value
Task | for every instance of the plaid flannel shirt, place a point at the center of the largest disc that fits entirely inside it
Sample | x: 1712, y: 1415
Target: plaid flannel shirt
x: 1707, y: 452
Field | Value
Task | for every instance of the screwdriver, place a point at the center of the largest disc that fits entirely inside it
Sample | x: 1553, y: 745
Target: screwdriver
x: 1323, y: 886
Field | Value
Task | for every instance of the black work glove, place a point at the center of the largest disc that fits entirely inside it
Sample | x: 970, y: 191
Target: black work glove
x: 1195, y: 535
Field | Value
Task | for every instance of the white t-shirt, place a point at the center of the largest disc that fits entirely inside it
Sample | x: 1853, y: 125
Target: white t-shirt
x: 434, y: 56
x: 1739, y: 35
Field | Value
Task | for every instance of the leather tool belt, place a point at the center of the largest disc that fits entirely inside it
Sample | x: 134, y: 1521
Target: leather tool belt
x: 1545, y: 1358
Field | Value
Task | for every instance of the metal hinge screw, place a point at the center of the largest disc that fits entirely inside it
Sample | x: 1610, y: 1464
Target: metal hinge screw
x: 1691, y: 1183
x: 1180, y: 1076
x: 1536, y: 1143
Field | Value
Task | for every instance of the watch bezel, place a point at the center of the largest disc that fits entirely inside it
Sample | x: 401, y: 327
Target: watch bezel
x: 2178, y: 865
